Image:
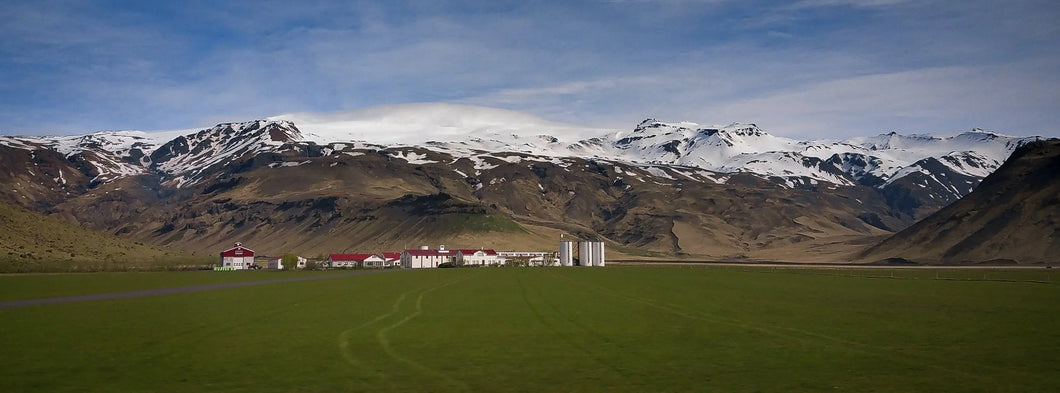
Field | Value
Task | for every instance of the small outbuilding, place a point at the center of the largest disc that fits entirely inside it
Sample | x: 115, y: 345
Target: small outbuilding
x: 277, y: 263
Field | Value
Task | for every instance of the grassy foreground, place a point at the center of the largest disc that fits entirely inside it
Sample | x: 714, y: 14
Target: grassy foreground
x: 556, y: 329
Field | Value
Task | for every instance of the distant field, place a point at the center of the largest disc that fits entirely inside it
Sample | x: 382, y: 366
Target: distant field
x: 634, y: 329
x: 29, y: 286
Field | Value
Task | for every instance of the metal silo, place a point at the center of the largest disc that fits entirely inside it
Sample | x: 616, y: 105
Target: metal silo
x: 566, y: 253
x: 585, y: 254
x: 598, y: 254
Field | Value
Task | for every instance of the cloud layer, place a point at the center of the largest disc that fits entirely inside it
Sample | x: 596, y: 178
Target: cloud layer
x: 816, y: 68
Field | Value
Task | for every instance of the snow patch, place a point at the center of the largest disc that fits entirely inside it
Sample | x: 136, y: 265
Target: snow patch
x: 413, y: 158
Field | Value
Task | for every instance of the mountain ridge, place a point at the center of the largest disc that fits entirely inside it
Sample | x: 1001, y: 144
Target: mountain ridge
x: 1013, y: 217
x: 679, y: 189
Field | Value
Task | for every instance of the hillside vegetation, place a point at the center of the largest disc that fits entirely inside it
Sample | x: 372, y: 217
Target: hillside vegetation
x: 33, y: 242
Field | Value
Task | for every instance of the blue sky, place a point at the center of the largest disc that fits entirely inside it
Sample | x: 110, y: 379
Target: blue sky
x: 804, y: 69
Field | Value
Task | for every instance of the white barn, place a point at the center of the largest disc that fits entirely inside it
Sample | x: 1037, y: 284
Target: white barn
x: 426, y: 258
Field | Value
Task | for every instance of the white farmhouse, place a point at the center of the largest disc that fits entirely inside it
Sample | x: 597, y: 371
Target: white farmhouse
x: 481, y: 257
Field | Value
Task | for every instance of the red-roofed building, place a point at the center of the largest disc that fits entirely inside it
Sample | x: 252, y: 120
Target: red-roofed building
x: 480, y: 257
x: 353, y: 260
x: 391, y: 259
x: 426, y: 258
x: 237, y: 257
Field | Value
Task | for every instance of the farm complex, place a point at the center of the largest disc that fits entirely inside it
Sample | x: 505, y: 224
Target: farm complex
x: 589, y: 254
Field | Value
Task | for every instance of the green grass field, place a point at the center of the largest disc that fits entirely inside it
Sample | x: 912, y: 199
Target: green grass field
x: 635, y: 329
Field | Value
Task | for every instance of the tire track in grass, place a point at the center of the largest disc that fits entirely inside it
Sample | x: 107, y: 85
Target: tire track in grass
x: 344, y: 336
x: 554, y: 328
x: 384, y: 341
x: 865, y: 349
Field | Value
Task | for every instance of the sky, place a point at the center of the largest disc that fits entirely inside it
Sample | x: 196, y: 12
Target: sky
x: 800, y: 69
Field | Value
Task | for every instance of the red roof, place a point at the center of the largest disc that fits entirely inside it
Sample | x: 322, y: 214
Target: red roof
x: 391, y: 256
x: 350, y: 257
x: 431, y: 253
x: 472, y: 252
x: 237, y: 251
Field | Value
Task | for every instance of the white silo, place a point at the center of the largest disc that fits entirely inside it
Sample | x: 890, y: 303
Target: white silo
x: 585, y: 254
x: 598, y: 253
x: 566, y: 253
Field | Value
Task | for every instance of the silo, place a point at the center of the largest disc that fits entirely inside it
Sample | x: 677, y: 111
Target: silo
x: 598, y: 254
x: 566, y: 253
x: 585, y: 254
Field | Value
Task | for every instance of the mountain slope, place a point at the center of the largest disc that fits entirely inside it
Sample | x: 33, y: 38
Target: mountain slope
x: 1013, y: 216
x: 34, y: 242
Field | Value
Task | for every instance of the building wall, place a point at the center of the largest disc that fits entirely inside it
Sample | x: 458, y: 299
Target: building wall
x: 374, y: 262
x: 239, y: 263
x: 482, y: 260
x: 424, y: 261
x: 342, y: 264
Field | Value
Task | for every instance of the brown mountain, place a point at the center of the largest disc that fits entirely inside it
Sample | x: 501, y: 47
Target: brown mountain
x: 262, y: 183
x: 368, y: 200
x: 1012, y: 217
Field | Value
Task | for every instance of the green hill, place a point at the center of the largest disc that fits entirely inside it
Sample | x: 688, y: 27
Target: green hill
x: 33, y: 242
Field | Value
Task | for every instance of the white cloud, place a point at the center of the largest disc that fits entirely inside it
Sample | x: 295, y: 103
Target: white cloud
x: 926, y: 100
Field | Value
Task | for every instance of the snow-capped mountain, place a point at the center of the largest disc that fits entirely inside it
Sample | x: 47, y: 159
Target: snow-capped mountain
x: 951, y: 163
x: 185, y: 158
x: 387, y: 173
x: 868, y: 161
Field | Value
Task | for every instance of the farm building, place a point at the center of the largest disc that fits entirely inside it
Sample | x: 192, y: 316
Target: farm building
x: 353, y: 260
x: 543, y: 260
x: 479, y: 257
x: 426, y: 258
x: 522, y: 254
x: 277, y: 263
x: 374, y: 261
x: 391, y: 259
x: 237, y: 257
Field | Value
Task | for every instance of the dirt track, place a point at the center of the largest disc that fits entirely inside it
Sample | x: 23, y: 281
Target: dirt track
x: 168, y: 291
